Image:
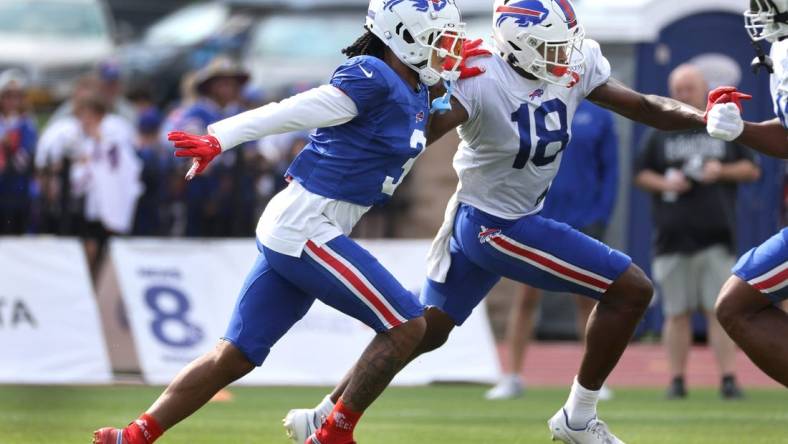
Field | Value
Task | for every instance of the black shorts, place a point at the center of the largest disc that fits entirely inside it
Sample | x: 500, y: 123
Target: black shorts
x: 95, y: 230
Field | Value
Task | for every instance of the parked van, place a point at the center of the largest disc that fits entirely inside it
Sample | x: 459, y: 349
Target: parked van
x: 54, y: 41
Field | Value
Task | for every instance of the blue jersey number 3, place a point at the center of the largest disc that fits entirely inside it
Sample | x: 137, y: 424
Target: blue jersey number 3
x: 417, y: 142
x: 544, y: 136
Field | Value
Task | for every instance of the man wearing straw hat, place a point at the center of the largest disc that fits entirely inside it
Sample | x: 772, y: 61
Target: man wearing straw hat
x: 209, y: 205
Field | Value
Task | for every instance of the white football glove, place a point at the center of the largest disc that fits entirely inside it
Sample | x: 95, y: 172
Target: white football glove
x: 724, y: 122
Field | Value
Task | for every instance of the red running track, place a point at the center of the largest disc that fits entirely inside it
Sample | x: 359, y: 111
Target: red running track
x: 643, y: 365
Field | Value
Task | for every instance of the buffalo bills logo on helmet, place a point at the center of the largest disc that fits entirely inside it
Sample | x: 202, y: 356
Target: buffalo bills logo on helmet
x: 420, y: 5
x: 525, y: 13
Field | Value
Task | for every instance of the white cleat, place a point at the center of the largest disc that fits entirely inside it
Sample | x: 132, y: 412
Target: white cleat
x: 509, y: 387
x: 300, y: 424
x: 595, y: 432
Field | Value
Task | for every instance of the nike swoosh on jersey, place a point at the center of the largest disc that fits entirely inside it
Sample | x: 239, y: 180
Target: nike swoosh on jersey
x: 366, y: 73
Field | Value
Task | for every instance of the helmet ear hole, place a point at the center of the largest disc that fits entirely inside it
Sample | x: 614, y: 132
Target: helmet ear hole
x: 516, y: 48
x: 408, y: 37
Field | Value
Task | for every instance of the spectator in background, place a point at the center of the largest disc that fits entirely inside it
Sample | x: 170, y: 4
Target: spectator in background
x: 61, y: 210
x: 107, y: 82
x: 253, y: 96
x: 106, y: 172
x: 17, y: 142
x: 582, y: 195
x: 141, y: 99
x: 175, y: 112
x: 217, y: 93
x: 112, y: 89
x: 174, y: 119
x: 692, y: 178
x: 221, y: 201
x: 86, y: 85
x: 154, y: 215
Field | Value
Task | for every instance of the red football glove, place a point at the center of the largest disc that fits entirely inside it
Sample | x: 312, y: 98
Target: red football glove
x: 472, y: 49
x: 725, y: 94
x: 201, y: 148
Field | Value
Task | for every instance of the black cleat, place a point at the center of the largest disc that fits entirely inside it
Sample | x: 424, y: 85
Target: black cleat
x: 729, y: 389
x: 676, y: 389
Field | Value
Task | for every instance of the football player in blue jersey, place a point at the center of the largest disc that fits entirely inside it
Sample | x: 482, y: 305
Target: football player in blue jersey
x: 371, y: 122
x: 747, y: 306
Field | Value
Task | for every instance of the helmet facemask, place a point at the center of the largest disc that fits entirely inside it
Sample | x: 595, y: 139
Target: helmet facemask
x: 445, y: 55
x: 764, y: 21
x: 553, y: 62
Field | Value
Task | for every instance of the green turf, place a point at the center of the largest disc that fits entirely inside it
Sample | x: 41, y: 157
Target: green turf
x: 434, y: 415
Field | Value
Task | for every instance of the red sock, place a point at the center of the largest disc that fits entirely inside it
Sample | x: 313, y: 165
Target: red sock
x: 338, y: 428
x: 144, y: 430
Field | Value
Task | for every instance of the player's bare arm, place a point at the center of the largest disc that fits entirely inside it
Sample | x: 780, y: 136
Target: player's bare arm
x: 769, y: 137
x: 659, y: 112
x: 440, y: 124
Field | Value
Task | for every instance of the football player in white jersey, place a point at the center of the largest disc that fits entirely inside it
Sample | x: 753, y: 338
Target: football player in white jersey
x: 514, y: 122
x: 746, y: 306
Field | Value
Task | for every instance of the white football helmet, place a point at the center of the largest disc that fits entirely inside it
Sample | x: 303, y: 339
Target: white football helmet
x: 422, y: 34
x: 542, y: 37
x: 767, y: 19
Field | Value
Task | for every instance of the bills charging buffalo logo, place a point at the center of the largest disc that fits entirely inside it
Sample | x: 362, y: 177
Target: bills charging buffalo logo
x: 525, y: 13
x: 532, y: 12
x: 419, y: 116
x: 488, y: 234
x: 420, y: 5
x: 536, y: 94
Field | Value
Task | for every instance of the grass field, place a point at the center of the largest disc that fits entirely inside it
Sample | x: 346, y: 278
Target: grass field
x: 434, y: 415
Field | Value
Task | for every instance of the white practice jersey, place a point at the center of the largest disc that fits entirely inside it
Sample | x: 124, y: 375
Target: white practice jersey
x: 517, y: 129
x: 779, y: 80
x: 109, y: 174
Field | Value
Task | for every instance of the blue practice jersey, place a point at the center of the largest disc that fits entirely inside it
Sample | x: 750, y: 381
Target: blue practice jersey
x: 365, y: 159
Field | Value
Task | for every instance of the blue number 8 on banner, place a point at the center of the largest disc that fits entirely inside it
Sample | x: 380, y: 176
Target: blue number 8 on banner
x: 170, y: 325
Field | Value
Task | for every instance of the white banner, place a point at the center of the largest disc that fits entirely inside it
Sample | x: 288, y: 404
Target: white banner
x: 49, y: 325
x: 179, y: 295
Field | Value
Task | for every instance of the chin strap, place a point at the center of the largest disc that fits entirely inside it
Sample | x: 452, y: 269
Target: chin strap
x: 443, y: 103
x: 761, y: 60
